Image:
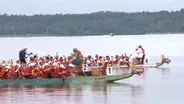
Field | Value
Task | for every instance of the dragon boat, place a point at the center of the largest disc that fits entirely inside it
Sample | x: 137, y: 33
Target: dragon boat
x: 81, y: 77
x: 164, y: 60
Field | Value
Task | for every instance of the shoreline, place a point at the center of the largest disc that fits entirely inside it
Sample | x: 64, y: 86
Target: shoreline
x: 45, y: 35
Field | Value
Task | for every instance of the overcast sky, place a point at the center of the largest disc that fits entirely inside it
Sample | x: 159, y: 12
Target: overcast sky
x: 30, y: 7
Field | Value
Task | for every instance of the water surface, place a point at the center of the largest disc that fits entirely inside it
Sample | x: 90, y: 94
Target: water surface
x: 164, y: 85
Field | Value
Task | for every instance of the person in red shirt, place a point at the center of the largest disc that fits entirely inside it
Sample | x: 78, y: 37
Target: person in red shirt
x: 117, y: 58
x: 55, y: 70
x: 28, y: 72
x: 12, y: 73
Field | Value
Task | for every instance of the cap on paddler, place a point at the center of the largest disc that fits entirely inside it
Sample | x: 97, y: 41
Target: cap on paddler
x: 32, y: 64
x: 55, y: 64
x: 46, y: 64
x: 71, y: 65
x: 62, y: 66
x: 24, y: 48
x: 7, y: 67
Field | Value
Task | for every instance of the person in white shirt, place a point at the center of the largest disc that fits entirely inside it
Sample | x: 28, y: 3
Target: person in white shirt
x: 140, y: 54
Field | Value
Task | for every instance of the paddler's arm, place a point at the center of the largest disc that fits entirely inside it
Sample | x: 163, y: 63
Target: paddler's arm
x: 64, y: 58
x: 18, y: 69
x: 72, y: 54
x: 29, y: 53
x: 75, y: 55
x: 39, y: 70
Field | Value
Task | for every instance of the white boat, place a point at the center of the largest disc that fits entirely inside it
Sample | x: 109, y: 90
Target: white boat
x: 111, y: 67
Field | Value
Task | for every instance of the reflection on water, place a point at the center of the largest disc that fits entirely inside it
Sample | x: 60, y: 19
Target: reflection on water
x: 165, y: 71
x: 155, y: 86
x: 70, y: 93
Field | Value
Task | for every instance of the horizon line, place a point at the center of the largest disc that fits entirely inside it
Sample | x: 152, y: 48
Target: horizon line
x: 91, y: 12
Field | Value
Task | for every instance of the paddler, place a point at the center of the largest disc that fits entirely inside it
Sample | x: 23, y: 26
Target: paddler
x: 56, y: 57
x: 78, y: 57
x: 29, y: 71
x: 117, y: 58
x: 101, y: 61
x: 22, y: 55
x: 96, y: 58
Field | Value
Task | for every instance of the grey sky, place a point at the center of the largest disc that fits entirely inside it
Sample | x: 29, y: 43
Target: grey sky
x: 30, y: 7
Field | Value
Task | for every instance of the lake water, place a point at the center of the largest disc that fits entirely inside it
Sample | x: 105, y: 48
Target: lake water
x: 164, y: 85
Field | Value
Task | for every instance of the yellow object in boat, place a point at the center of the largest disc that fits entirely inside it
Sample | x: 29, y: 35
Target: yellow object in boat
x: 162, y: 56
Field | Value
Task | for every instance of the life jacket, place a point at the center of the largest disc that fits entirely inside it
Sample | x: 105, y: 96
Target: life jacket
x: 33, y: 71
x: 44, y: 74
x: 18, y: 70
x: 68, y: 72
x: 56, y: 71
x: 12, y: 70
x: 79, y: 53
x: 116, y: 61
x: 28, y: 70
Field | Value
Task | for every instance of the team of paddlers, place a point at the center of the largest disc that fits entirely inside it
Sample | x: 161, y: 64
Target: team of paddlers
x: 54, y: 67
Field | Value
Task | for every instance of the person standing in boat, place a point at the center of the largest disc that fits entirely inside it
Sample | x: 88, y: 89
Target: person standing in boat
x: 140, y: 54
x: 22, y: 55
x: 78, y: 57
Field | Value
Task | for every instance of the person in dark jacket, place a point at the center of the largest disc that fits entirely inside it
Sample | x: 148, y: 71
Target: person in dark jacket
x: 22, y: 55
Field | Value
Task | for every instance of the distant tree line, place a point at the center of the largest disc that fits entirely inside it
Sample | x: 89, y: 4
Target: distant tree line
x: 98, y: 23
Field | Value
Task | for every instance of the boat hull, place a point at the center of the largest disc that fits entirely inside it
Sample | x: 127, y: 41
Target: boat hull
x: 125, y: 66
x: 51, y: 81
